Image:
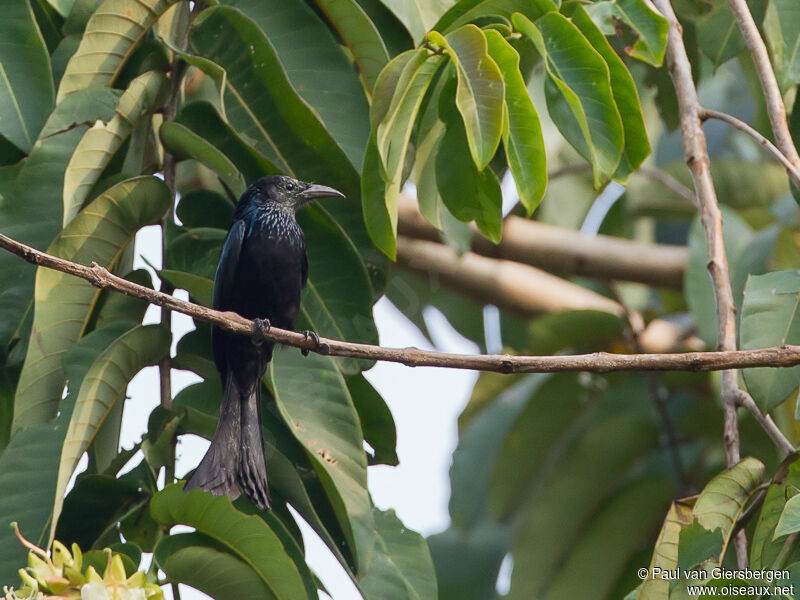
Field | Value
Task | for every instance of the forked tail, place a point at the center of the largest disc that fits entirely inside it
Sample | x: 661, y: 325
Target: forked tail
x: 234, y: 463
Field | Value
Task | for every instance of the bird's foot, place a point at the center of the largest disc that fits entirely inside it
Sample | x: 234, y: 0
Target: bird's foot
x: 310, y: 335
x: 262, y: 327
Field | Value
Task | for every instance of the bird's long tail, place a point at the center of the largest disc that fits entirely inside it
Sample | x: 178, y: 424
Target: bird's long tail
x: 234, y: 463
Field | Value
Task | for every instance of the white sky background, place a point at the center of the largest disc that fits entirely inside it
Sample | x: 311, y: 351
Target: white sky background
x: 425, y: 403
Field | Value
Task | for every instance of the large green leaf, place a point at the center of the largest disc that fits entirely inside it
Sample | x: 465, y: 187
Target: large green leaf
x: 313, y: 399
x: 637, y: 146
x: 101, y: 389
x: 650, y: 26
x: 114, y: 31
x: 63, y: 303
x: 184, y: 143
x: 522, y: 131
x: 26, y: 81
x: 263, y: 105
x: 360, y: 35
x: 468, y: 193
x: 480, y: 93
x: 199, y: 561
x: 782, y: 30
x: 765, y: 549
x: 102, y: 141
x: 317, y: 69
x: 376, y: 420
x: 580, y: 98
x: 418, y: 16
x: 770, y: 318
x: 246, y: 537
x: 31, y: 212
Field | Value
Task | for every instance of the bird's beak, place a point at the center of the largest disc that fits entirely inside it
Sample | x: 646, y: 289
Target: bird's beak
x: 319, y: 191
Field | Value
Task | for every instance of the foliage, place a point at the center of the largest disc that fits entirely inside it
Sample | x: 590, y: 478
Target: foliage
x: 576, y: 480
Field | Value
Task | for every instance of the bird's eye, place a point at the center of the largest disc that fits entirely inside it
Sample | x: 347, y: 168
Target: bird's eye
x: 290, y: 187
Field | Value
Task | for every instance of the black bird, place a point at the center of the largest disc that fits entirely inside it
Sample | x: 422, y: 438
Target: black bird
x: 262, y: 270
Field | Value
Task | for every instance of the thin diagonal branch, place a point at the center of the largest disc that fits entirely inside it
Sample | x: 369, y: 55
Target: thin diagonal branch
x: 597, y: 362
x: 746, y: 401
x: 793, y: 171
x: 769, y: 83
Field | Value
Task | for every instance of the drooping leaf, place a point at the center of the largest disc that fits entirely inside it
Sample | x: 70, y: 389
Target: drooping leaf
x: 114, y: 31
x: 665, y: 552
x: 247, y: 537
x: 579, y: 95
x: 102, y: 388
x: 379, y: 202
x: 31, y: 211
x: 184, y: 143
x: 64, y: 303
x: 650, y: 26
x: 522, y: 131
x: 480, y: 93
x: 770, y: 318
x: 469, y: 194
x: 360, y: 35
x: 376, y: 420
x: 26, y: 84
x: 637, y: 146
x: 102, y: 141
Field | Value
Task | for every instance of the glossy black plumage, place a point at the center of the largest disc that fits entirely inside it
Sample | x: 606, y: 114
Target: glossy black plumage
x: 261, y: 272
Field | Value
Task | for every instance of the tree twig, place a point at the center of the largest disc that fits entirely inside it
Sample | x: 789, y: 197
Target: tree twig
x: 769, y: 84
x: 746, y: 401
x: 696, y: 154
x: 598, y: 362
x: 794, y: 172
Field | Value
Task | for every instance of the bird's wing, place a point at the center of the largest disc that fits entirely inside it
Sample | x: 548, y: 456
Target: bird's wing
x: 304, y: 271
x: 228, y: 263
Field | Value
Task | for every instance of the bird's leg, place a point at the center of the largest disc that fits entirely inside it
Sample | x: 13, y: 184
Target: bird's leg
x: 262, y: 326
x: 313, y: 336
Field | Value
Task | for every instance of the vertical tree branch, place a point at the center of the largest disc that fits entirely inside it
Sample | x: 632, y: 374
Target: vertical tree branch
x: 696, y: 154
x: 769, y: 83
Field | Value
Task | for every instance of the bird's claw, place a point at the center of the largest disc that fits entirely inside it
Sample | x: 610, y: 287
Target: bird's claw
x: 313, y: 336
x: 262, y: 327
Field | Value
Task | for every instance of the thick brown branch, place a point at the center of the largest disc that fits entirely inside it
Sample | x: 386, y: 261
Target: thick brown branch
x: 769, y: 83
x: 696, y: 153
x: 598, y: 362
x: 793, y: 171
x: 564, y: 251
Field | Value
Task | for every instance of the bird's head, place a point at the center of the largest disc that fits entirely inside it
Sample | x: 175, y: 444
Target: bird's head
x: 287, y: 193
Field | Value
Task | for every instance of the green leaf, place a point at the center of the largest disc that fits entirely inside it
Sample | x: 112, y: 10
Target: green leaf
x: 26, y: 81
x: 724, y: 497
x: 31, y: 212
x: 379, y: 202
x: 651, y: 27
x: 698, y: 545
x: 718, y: 35
x: 360, y: 35
x: 376, y: 420
x: 393, y: 130
x: 789, y: 521
x: 764, y: 549
x: 204, y: 120
x: 522, y: 131
x: 317, y: 69
x: 247, y: 537
x: 184, y: 143
x: 579, y: 98
x: 637, y: 146
x: 64, y: 303
x: 114, y: 31
x: 770, y: 318
x: 467, y: 193
x: 101, y: 389
x: 197, y: 560
x: 467, y: 11
x: 313, y: 399
x: 100, y: 143
x: 480, y: 93
x: 200, y: 289
x: 402, y: 568
x: 209, y: 67
x: 782, y: 30
x: 418, y: 16
x: 665, y: 552
x: 263, y: 106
